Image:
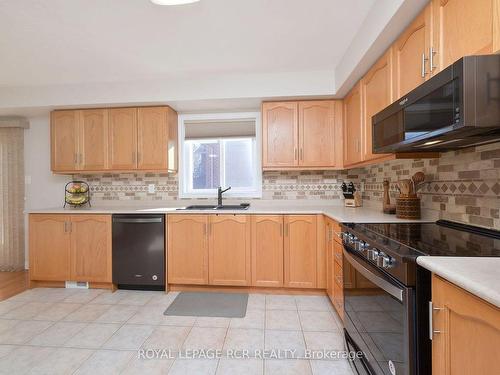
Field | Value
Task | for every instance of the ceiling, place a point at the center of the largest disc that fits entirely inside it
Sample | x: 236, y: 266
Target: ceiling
x: 60, y: 52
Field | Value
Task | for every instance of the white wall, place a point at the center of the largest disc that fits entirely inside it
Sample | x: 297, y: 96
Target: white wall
x: 43, y: 189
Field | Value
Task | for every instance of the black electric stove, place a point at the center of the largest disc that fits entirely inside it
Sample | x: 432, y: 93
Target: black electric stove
x: 387, y: 295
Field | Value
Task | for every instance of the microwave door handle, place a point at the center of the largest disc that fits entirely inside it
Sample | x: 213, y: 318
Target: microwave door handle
x: 377, y: 280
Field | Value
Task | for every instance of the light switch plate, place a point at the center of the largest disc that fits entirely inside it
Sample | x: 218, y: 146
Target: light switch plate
x: 151, y: 188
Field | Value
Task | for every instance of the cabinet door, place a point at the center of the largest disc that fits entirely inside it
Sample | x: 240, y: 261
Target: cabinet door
x: 152, y: 138
x: 353, y: 127
x: 469, y: 332
x: 410, y: 52
x: 461, y: 28
x: 91, y: 248
x: 329, y: 259
x: 93, y: 140
x: 64, y: 140
x: 123, y: 138
x: 280, y: 134
x: 49, y: 239
x: 300, y: 251
x: 229, y: 250
x: 317, y: 133
x: 376, y: 88
x: 267, y: 250
x: 187, y: 249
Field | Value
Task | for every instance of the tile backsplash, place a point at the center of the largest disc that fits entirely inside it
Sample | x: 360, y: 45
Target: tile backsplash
x: 460, y: 185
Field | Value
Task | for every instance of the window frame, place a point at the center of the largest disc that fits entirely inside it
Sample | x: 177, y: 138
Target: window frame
x: 183, y: 175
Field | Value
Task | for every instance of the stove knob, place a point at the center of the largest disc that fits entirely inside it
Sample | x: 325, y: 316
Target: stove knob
x: 373, y: 254
x: 388, y: 262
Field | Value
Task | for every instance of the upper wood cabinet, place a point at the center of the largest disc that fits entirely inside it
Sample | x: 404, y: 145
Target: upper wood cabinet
x: 49, y: 244
x: 410, y: 53
x: 468, y: 332
x: 64, y: 247
x: 116, y: 139
x: 229, y: 250
x: 300, y: 251
x: 353, y: 127
x: 461, y: 28
x: 91, y: 248
x: 153, y: 137
x: 64, y: 140
x: 187, y: 249
x: 123, y: 138
x: 280, y: 134
x: 301, y: 135
x: 317, y: 133
x: 93, y: 140
x: 267, y: 250
x: 376, y: 88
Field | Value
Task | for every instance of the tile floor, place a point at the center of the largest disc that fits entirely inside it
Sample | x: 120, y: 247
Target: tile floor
x: 68, y: 331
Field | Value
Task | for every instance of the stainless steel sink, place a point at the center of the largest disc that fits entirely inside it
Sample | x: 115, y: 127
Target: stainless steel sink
x: 243, y: 206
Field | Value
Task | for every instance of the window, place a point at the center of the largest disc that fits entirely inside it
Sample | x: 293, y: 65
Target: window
x: 219, y: 152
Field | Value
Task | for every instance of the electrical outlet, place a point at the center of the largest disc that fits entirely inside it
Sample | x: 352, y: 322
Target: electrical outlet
x: 151, y: 188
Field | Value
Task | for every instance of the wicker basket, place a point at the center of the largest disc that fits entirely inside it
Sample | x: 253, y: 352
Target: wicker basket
x: 408, y: 208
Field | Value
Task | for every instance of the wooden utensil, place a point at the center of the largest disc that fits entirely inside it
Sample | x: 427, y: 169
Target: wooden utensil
x: 417, y: 179
x: 404, y: 187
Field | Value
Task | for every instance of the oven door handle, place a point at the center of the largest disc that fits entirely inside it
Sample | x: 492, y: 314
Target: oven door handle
x: 377, y: 280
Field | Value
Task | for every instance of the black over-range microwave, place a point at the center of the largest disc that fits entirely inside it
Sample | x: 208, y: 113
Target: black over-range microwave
x: 458, y: 107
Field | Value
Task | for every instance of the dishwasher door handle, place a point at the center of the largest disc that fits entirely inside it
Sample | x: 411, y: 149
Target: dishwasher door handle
x: 138, y: 220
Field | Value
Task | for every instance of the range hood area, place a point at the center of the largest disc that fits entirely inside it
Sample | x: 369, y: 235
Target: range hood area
x: 459, y: 107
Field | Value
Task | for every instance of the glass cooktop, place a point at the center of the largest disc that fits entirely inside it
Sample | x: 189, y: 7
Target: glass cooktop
x: 442, y: 238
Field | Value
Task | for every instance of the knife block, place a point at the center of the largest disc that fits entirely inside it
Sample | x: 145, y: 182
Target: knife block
x: 354, y: 202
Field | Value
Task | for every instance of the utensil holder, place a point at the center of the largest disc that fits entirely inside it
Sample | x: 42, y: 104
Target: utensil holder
x: 408, y: 207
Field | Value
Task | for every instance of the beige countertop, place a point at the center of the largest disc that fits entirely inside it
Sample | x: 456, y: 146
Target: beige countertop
x: 335, y: 212
x: 479, y: 276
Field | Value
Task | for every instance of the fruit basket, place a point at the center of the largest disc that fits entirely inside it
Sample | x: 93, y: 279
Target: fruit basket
x: 76, y: 194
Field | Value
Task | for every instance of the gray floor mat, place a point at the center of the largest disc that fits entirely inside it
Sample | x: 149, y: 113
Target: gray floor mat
x: 223, y: 305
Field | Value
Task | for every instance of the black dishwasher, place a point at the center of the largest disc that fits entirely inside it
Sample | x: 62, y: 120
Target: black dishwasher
x: 139, y: 251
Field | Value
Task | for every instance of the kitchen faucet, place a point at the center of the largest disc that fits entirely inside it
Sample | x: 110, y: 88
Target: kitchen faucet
x: 219, y: 195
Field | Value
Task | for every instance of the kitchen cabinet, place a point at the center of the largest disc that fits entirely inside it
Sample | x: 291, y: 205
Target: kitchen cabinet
x: 153, y: 137
x: 49, y: 244
x: 267, y: 250
x: 64, y: 140
x: 116, y: 139
x: 280, y: 134
x: 300, y: 251
x: 376, y: 88
x: 90, y: 254
x: 317, y: 133
x: 353, y: 127
x: 93, y: 140
x: 466, y: 331
x: 187, y: 249
x: 229, y: 250
x: 410, y: 54
x: 329, y: 258
x: 123, y: 138
x: 70, y: 247
x: 461, y: 28
x: 301, y: 134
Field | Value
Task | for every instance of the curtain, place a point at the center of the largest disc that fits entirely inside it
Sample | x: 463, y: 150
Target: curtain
x: 11, y: 198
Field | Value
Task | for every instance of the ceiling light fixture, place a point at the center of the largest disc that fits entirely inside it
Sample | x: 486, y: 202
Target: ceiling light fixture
x: 173, y: 2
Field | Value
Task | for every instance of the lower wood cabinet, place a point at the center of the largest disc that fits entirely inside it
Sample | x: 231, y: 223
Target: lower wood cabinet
x: 300, y: 251
x: 187, y: 249
x: 49, y: 247
x: 70, y: 247
x: 229, y: 250
x: 267, y: 250
x: 468, y: 337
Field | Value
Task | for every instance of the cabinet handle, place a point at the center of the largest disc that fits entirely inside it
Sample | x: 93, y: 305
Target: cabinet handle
x: 301, y: 154
x: 205, y: 229
x: 295, y: 153
x: 424, y: 59
x: 286, y: 230
x: 138, y: 157
x: 65, y: 227
x: 281, y: 230
x: 432, y: 331
x: 431, y: 59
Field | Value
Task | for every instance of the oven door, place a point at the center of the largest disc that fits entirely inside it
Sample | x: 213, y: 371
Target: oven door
x: 379, y: 319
